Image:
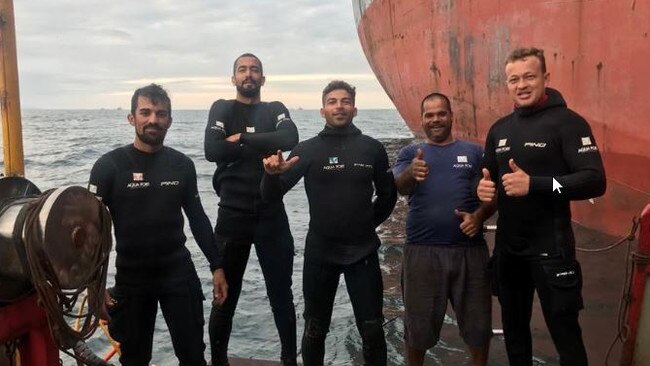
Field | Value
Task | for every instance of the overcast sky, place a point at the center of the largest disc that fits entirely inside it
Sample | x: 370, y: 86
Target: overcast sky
x: 93, y: 54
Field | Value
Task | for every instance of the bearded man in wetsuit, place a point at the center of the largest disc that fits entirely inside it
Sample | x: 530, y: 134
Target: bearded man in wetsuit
x: 445, y: 256
x: 342, y: 169
x: 537, y: 160
x: 238, y: 135
x: 146, y: 187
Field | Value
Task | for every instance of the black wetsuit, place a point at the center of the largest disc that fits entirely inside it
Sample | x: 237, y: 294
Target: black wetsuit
x: 145, y: 193
x: 244, y: 219
x: 535, y: 246
x: 342, y: 169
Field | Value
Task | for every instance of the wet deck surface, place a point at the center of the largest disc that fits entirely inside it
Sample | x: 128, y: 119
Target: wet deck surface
x: 603, y: 277
x: 603, y: 281
x: 251, y: 362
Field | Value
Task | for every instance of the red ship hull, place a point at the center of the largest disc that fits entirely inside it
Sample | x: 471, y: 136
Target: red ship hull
x: 26, y: 322
x: 596, y: 52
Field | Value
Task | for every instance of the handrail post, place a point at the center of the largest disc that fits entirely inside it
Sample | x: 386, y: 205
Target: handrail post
x: 637, y: 292
x: 9, y: 93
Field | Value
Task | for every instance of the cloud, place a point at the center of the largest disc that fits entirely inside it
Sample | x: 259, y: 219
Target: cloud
x: 90, y: 53
x: 290, y: 78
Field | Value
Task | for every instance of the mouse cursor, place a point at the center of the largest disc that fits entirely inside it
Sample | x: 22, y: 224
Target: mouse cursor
x: 556, y: 186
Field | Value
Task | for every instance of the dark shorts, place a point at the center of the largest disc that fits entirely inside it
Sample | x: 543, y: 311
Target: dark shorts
x: 431, y: 275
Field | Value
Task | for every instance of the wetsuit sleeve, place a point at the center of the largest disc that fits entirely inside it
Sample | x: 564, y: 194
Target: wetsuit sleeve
x: 386, y: 193
x: 273, y: 187
x: 199, y: 222
x: 284, y: 138
x: 217, y: 149
x: 478, y: 174
x: 489, y: 160
x: 101, y: 179
x: 586, y: 177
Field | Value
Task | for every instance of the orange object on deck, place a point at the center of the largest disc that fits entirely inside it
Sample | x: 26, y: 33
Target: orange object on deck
x: 26, y: 322
x: 638, y: 287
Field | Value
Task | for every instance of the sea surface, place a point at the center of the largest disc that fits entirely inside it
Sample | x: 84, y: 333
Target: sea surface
x: 60, y: 147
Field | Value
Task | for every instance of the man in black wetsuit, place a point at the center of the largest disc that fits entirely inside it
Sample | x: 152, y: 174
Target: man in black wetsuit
x: 541, y: 156
x: 145, y: 185
x: 238, y: 134
x: 342, y: 170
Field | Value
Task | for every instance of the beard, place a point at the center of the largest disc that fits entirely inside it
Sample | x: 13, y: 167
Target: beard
x: 336, y: 122
x: 249, y: 92
x: 438, y: 137
x: 152, y: 139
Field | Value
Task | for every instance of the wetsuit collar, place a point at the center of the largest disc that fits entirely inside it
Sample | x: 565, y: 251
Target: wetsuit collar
x: 146, y: 153
x: 350, y: 129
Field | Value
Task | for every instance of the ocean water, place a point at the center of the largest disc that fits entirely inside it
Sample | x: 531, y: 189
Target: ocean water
x: 60, y: 147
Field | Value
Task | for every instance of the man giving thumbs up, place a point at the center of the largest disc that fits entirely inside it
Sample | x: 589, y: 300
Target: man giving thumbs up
x: 445, y: 255
x: 537, y: 160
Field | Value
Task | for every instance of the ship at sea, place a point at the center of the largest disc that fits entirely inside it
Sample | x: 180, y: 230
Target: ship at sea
x: 596, y: 53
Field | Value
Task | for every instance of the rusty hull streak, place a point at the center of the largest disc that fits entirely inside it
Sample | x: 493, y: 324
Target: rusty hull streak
x: 461, y: 48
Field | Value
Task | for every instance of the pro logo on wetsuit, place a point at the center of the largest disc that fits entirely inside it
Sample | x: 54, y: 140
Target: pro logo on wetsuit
x: 334, y: 164
x: 362, y: 165
x: 218, y: 125
x: 138, y: 183
x: 587, y: 145
x: 502, y: 146
x: 281, y: 118
x: 535, y: 144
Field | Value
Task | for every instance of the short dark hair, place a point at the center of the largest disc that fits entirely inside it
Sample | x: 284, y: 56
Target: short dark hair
x: 247, y: 54
x: 524, y: 52
x: 339, y: 84
x: 155, y: 93
x: 435, y: 95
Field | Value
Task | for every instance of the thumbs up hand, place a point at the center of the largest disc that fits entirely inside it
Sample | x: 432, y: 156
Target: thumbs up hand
x: 486, y: 174
x: 419, y: 168
x: 517, y: 183
x: 487, y: 189
x: 469, y: 224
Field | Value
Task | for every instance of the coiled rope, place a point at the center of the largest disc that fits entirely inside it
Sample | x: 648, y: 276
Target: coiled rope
x: 59, y: 303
